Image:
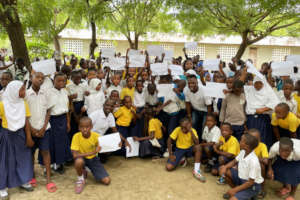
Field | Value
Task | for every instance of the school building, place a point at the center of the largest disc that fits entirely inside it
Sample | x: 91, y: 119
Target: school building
x: 266, y: 50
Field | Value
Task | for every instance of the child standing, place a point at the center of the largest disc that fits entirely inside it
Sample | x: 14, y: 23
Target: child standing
x: 246, y: 180
x: 151, y: 95
x: 116, y: 79
x: 15, y: 139
x: 85, y: 147
x: 227, y: 149
x: 60, y: 124
x: 286, y: 168
x: 233, y: 109
x: 139, y: 103
x: 285, y: 95
x: 187, y: 143
x: 129, y: 89
x: 6, y: 77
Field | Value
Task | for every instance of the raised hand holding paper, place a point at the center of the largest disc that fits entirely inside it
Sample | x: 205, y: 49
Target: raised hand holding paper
x: 117, y: 63
x: 155, y: 50
x: 159, y: 69
x: 133, y: 52
x: 135, y: 146
x: 284, y: 68
x: 294, y: 58
x: 211, y: 64
x: 47, y: 67
x: 107, y: 52
x: 190, y: 45
x: 137, y: 60
x: 213, y: 89
x: 176, y: 70
x: 109, y: 143
x: 251, y: 69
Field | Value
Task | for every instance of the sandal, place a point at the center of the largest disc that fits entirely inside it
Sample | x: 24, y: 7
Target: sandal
x: 51, y: 187
x: 79, y: 186
x: 33, y: 182
x: 290, y: 198
x: 283, y: 192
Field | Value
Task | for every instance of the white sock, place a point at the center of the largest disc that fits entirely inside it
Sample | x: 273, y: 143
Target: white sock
x: 81, y: 178
x: 3, y: 193
x: 196, y: 167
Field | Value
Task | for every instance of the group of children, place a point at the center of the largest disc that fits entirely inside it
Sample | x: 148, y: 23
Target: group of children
x: 241, y: 138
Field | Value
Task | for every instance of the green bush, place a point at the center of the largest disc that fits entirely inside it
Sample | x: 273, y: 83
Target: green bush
x: 38, y: 49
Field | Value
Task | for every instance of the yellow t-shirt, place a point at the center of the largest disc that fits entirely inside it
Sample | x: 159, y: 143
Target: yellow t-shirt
x: 124, y: 116
x: 2, y: 113
x: 85, y: 145
x: 297, y: 98
x: 291, y: 122
x: 230, y: 146
x: 155, y: 125
x: 127, y: 92
x: 261, y: 151
x: 183, y: 140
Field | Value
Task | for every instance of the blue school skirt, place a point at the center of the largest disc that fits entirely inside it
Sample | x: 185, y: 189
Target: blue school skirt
x: 238, y: 131
x: 263, y: 124
x: 16, y: 166
x: 59, y: 142
x: 74, y: 125
x: 287, y: 172
x: 138, y: 128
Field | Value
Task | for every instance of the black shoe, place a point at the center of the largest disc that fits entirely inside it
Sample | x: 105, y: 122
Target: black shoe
x: 207, y: 168
x: 27, y: 188
x: 60, y: 169
x: 226, y: 196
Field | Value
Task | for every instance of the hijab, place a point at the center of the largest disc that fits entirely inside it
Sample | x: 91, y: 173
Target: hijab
x: 93, y: 85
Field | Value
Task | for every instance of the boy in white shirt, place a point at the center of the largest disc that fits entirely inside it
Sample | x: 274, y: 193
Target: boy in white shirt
x: 151, y: 95
x: 246, y: 180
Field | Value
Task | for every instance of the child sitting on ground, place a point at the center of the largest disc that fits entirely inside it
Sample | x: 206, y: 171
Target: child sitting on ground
x: 85, y: 147
x: 187, y: 143
x: 246, y: 179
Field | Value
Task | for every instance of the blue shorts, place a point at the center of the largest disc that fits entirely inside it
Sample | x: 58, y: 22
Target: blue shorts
x: 41, y: 143
x: 180, y: 153
x: 217, y: 164
x: 96, y: 167
x: 244, y: 194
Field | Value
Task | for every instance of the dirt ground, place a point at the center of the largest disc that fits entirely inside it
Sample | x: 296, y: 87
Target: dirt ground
x: 134, y: 179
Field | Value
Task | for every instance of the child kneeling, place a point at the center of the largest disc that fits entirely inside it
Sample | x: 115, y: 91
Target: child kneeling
x: 85, y: 147
x: 187, y: 143
x: 246, y: 180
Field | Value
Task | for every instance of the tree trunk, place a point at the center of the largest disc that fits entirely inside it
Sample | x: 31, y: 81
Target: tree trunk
x: 56, y: 43
x: 241, y: 50
x: 136, y: 42
x: 17, y: 39
x: 93, y: 44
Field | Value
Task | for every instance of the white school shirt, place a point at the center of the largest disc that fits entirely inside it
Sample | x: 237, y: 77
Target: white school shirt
x: 94, y: 102
x: 139, y: 99
x: 113, y: 87
x: 212, y: 135
x: 292, y: 102
x: 47, y: 84
x: 38, y: 105
x: 172, y: 107
x: 101, y: 122
x: 295, y: 154
x: 249, y: 167
x: 79, y: 89
x: 60, y: 100
x: 151, y: 99
x: 198, y: 100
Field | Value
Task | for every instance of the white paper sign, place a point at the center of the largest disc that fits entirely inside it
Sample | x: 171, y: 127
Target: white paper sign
x: 176, y: 70
x: 251, y: 69
x: 137, y: 60
x: 163, y: 89
x: 294, y: 58
x: 117, y: 63
x: 155, y: 50
x: 135, y: 146
x: 107, y: 52
x: 211, y: 64
x: 133, y: 52
x: 213, y: 89
x: 109, y: 143
x: 47, y: 67
x: 190, y: 45
x: 168, y: 54
x: 159, y: 69
x: 284, y: 68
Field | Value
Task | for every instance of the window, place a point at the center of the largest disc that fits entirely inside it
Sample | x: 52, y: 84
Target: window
x: 278, y: 54
x: 168, y: 46
x: 200, y: 50
x: 227, y: 52
x: 74, y: 46
x: 104, y: 44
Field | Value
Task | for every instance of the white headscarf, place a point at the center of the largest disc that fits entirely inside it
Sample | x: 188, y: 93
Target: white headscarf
x: 14, y: 107
x: 93, y: 85
x: 265, y: 97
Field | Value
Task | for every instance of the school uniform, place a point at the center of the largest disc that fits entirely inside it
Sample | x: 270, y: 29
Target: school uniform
x: 39, y: 104
x: 261, y: 151
x: 151, y: 100
x: 231, y: 146
x: 101, y: 122
x: 15, y: 157
x: 184, y: 144
x: 59, y: 141
x: 260, y: 99
x: 87, y: 145
x: 47, y: 84
x: 139, y: 102
x: 286, y: 126
x: 124, y: 117
x: 127, y: 92
x: 113, y: 87
x: 248, y: 168
x: 146, y: 147
x: 199, y: 105
x: 286, y: 171
x: 96, y: 99
x: 292, y: 103
x: 297, y: 99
